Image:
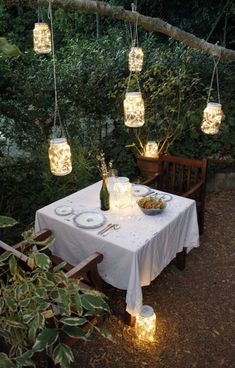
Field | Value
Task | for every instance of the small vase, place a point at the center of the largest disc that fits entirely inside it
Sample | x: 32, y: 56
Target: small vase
x: 104, y: 195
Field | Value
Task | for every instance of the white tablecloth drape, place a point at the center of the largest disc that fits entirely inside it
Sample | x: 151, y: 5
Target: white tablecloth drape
x: 135, y: 254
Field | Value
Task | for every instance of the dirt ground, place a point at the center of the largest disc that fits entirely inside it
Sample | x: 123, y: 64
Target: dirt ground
x: 195, y: 307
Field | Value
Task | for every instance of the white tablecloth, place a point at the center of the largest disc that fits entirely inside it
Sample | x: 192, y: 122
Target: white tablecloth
x: 135, y: 254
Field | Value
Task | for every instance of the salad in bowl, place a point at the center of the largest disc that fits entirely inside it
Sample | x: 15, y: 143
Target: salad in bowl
x: 151, y: 205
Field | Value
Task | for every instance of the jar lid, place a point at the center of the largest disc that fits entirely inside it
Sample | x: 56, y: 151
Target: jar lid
x: 133, y: 94
x: 147, y: 311
x: 122, y: 179
x: 58, y: 140
x: 214, y: 104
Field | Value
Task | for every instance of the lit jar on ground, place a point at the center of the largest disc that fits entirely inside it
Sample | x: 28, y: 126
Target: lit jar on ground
x: 145, y: 325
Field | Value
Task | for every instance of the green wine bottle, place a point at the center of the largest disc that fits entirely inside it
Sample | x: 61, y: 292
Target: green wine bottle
x: 104, y: 196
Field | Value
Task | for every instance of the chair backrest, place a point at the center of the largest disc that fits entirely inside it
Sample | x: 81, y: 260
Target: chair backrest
x: 178, y: 174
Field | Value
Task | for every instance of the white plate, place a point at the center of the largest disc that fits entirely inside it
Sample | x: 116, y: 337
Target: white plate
x: 63, y: 210
x: 140, y: 190
x: 89, y: 219
x: 164, y: 197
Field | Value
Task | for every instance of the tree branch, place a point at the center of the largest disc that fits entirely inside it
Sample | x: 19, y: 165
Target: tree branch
x: 148, y: 23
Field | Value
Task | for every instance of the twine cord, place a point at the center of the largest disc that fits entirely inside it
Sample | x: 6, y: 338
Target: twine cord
x: 214, y: 73
x: 56, y: 111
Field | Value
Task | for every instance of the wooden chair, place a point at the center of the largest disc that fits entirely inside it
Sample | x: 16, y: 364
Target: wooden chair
x: 185, y: 177
x: 85, y: 270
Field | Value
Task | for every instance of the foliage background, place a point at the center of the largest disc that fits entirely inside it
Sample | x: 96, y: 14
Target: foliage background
x: 92, y: 72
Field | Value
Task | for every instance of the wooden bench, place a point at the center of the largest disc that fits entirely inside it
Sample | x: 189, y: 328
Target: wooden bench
x: 185, y: 177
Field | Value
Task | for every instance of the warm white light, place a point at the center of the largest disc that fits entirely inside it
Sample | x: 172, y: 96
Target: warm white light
x: 212, y: 117
x: 122, y: 192
x: 60, y: 157
x: 134, y: 110
x: 42, y: 38
x: 136, y: 59
x: 151, y: 149
x: 145, y: 325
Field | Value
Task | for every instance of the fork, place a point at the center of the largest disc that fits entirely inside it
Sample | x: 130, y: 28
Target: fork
x: 105, y: 229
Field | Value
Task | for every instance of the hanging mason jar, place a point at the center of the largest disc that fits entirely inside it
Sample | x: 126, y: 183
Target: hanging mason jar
x: 42, y: 38
x: 136, y: 59
x: 60, y: 157
x: 212, y: 117
x: 134, y: 110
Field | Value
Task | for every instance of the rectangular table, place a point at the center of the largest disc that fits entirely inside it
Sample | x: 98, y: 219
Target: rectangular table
x: 135, y: 254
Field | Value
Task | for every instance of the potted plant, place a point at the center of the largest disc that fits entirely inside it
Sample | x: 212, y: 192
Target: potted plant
x: 40, y: 308
x: 171, y: 93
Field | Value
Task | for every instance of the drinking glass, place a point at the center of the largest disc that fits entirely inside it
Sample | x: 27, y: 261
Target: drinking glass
x: 113, y: 174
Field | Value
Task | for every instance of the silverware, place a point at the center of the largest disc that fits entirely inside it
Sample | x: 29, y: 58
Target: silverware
x: 105, y: 229
x: 113, y: 227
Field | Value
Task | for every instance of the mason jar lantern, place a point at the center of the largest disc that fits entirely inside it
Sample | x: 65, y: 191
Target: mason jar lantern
x: 42, y: 38
x: 151, y: 149
x: 60, y: 157
x: 134, y: 110
x: 145, y: 325
x: 212, y: 117
x: 136, y: 59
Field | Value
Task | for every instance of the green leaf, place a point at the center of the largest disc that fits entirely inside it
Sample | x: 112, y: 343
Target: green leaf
x: 5, y: 362
x: 11, y: 303
x: 33, y: 327
x: 105, y: 333
x: 27, y: 317
x: 4, y: 256
x: 63, y: 355
x: 24, y: 359
x: 74, y: 331
x: 8, y: 50
x: 14, y: 324
x: 25, y: 302
x: 6, y: 221
x: 1, y: 304
x: 77, y: 301
x: 42, y: 260
x: 94, y: 302
x: 46, y: 338
x: 74, y: 321
x: 41, y: 292
x: 59, y: 266
x: 13, y: 265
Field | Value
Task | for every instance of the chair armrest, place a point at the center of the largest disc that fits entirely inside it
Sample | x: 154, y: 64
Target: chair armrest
x: 194, y: 189
x: 151, y: 180
x: 86, y: 265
